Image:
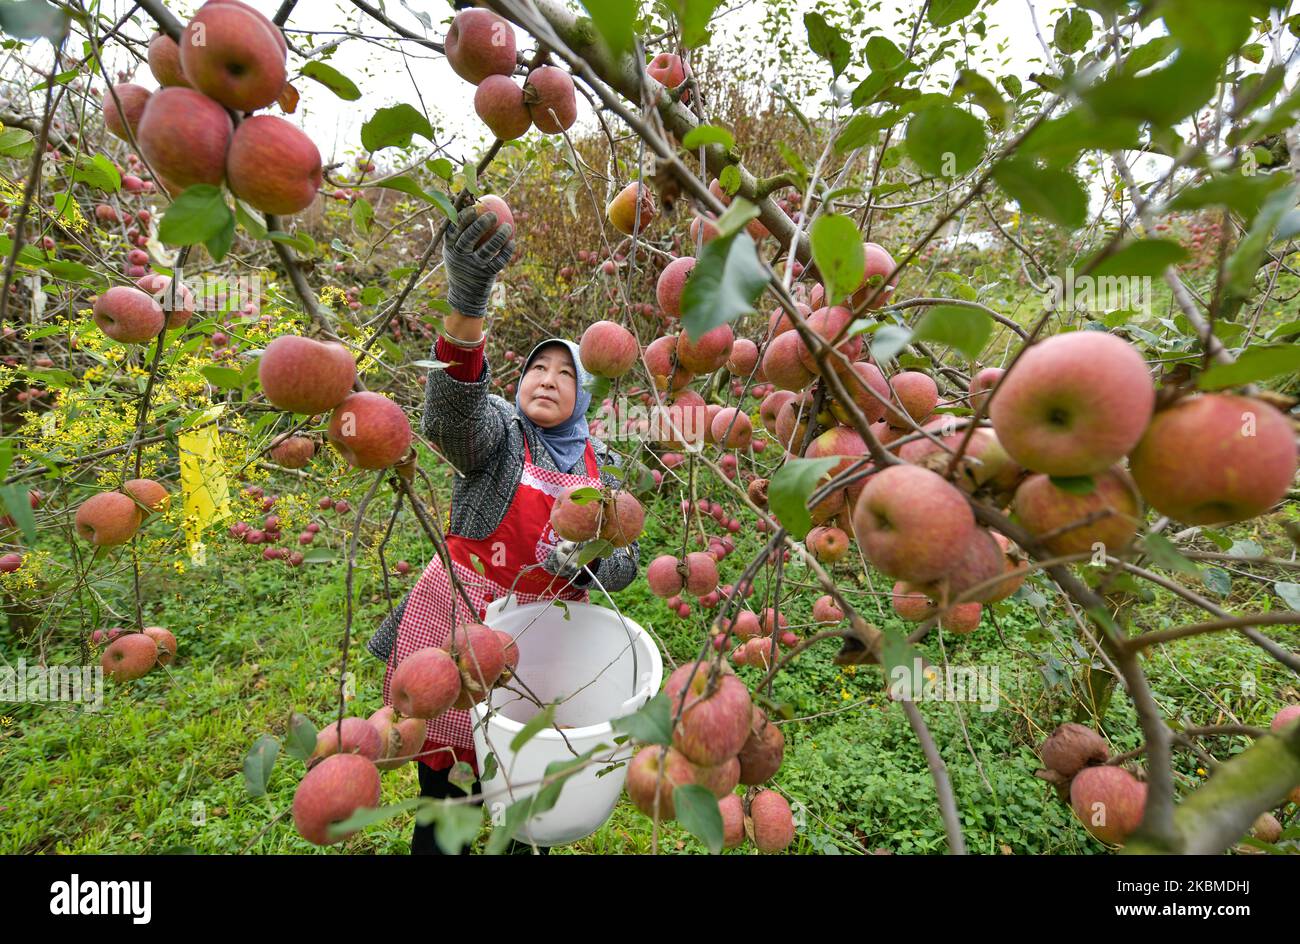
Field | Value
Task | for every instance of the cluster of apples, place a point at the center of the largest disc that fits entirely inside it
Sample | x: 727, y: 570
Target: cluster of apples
x: 1077, y: 404
x: 130, y: 656
x: 583, y: 513
x: 230, y: 57
x: 722, y: 740
x: 480, y: 48
x: 760, y: 637
x: 301, y: 375
x: 1108, y: 799
x: 138, y: 314
x: 108, y: 215
x: 343, y: 771
x: 268, y: 534
x: 113, y: 517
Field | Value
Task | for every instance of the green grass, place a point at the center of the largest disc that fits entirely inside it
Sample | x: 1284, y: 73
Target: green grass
x: 161, y: 766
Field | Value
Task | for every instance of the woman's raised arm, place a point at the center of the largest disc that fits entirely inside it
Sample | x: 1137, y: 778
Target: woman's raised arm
x: 458, y: 415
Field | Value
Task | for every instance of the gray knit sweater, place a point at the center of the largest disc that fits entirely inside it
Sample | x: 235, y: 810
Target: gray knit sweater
x: 482, y: 435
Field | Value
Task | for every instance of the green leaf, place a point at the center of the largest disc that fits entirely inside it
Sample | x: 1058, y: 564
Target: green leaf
x: 543, y: 719
x: 693, y: 17
x: 252, y: 224
x: 1256, y: 363
x: 888, y: 341
x: 883, y: 54
x: 405, y: 184
x: 29, y: 255
x: 1254, y: 52
x: 1054, y: 194
x: 1245, y: 549
x: 970, y: 84
x: 1163, y: 553
x: 1075, y: 484
x: 1059, y: 140
x: 447, y: 208
x: 826, y: 41
x: 902, y: 664
x: 946, y: 141
x: 362, y: 213
x: 225, y: 377
x: 319, y: 555
x: 19, y: 507
x: 332, y: 79
x: 861, y: 129
x: 725, y: 281
x: 200, y: 213
x: 98, y: 171
x: 837, y: 251
x: 301, y: 741
x: 370, y: 815
x: 462, y: 777
x: 789, y: 489
x: 947, y: 12
x: 1162, y: 97
x: 1243, y: 193
x: 966, y: 329
x: 515, y: 816
x: 1141, y: 257
x: 1250, y: 253
x: 1072, y: 31
x: 300, y: 241
x: 394, y: 127
x: 66, y: 208
x: 882, y: 86
x: 430, y: 364
x: 585, y: 495
x: 598, y: 548
x: 1214, y: 30
x: 702, y: 135
x: 518, y: 813
x: 651, y: 724
x: 258, y: 764
x: 17, y: 143
x: 614, y: 20
x: 458, y: 826
x: 1221, y: 540
x: 1148, y: 54
x: 33, y: 19
x: 1217, y: 580
x: 697, y: 810
x: 1289, y: 592
x: 219, y: 244
x: 67, y: 271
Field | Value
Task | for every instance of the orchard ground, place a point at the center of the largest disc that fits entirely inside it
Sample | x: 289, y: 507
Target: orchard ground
x: 160, y: 767
x: 1142, y: 243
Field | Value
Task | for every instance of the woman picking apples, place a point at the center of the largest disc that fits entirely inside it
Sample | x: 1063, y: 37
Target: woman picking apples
x: 514, y: 460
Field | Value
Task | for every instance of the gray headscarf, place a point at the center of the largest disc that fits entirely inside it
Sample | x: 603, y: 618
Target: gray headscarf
x: 565, y: 441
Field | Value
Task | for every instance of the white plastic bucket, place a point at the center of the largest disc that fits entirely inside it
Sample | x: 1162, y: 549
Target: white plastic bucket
x: 599, y: 665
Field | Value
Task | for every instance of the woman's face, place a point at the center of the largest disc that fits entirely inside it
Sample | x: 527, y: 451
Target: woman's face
x: 549, y: 388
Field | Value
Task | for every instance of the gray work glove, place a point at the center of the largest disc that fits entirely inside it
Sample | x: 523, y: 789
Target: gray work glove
x: 470, y: 271
x: 562, y: 562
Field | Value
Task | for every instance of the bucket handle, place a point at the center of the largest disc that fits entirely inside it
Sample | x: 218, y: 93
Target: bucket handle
x: 636, y: 659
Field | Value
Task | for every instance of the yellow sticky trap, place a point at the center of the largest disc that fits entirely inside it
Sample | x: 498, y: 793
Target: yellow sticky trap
x: 205, y: 492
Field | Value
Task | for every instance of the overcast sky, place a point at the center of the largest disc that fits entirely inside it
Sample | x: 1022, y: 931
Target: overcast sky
x: 385, y: 79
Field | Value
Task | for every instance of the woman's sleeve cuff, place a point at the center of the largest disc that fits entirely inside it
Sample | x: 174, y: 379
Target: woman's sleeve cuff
x: 466, y: 363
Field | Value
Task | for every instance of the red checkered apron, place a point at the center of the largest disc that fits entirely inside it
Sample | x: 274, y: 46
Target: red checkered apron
x: 523, y: 537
